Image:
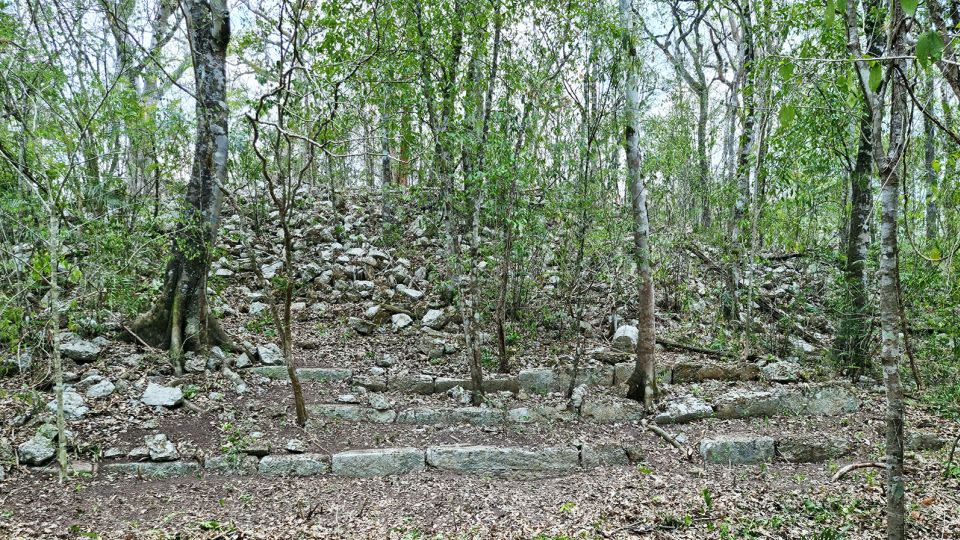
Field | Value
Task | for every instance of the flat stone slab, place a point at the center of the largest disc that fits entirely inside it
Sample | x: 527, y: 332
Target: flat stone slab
x: 477, y: 416
x: 166, y: 469
x: 538, y: 380
x: 613, y: 412
x: 603, y: 455
x: 305, y: 374
x: 378, y: 462
x: 811, y: 449
x: 239, y: 465
x: 295, y: 465
x: 812, y: 400
x: 684, y: 409
x: 737, y: 448
x: 502, y: 459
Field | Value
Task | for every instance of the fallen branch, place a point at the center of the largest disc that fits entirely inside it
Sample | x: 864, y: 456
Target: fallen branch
x: 854, y: 466
x: 673, y: 345
x: 688, y: 454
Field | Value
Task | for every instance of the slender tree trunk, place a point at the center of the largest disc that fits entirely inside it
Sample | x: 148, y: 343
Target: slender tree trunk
x: 53, y: 246
x: 181, y: 318
x: 386, y: 174
x: 852, y: 345
x: 929, y: 157
x: 643, y: 382
x: 703, y: 160
x: 889, y: 273
x: 507, y: 233
x: 746, y: 149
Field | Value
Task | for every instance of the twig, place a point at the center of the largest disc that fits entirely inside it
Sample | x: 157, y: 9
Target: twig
x: 668, y: 437
x: 139, y: 339
x: 854, y: 466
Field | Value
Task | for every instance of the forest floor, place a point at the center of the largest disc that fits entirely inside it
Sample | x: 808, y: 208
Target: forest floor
x: 660, y: 492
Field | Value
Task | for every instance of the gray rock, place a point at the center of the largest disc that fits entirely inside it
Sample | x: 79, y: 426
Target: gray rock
x: 685, y: 409
x: 537, y: 380
x: 161, y: 396
x: 378, y: 402
x: 232, y: 464
x: 477, y: 416
x: 399, y: 321
x: 80, y: 350
x: 139, y: 453
x: 737, y: 448
x: 378, y: 462
x: 829, y: 400
x: 625, y: 338
x: 434, y: 318
x: 782, y: 371
x: 296, y: 446
x: 270, y: 354
x: 295, y: 465
x: 102, y: 389
x: 194, y: 363
x: 161, y: 449
x: 304, y: 374
x: 360, y: 326
x: 257, y: 308
x: 242, y: 361
x: 747, y: 404
x: 494, y: 459
x: 36, y: 451
x: 166, y: 469
x: 461, y: 396
x: 522, y: 415
x: 73, y: 405
x: 413, y: 384
x: 603, y: 455
x: 412, y: 294
x: 919, y: 442
x: 612, y: 412
x: 347, y: 398
x: 811, y: 449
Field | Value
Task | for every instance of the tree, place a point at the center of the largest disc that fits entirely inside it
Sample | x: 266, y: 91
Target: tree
x: 888, y: 160
x: 642, y: 385
x: 852, y: 342
x: 181, y: 318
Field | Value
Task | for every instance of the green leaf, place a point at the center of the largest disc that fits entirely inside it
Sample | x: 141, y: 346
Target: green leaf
x: 787, y: 113
x: 909, y: 7
x: 935, y: 165
x: 876, y: 76
x: 786, y: 70
x: 929, y: 48
x: 830, y: 14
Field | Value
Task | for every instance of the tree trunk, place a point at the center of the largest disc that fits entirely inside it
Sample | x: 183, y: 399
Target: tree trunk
x: 386, y: 175
x: 703, y: 160
x: 929, y: 156
x: 643, y: 382
x: 181, y: 318
x: 53, y: 246
x: 747, y: 141
x: 852, y: 346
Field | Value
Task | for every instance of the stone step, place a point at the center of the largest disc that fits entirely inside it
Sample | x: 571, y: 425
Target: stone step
x: 738, y: 448
x: 795, y: 400
x: 374, y: 462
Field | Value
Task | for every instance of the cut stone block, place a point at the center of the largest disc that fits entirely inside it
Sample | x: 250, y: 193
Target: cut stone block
x: 378, y: 462
x: 737, y: 448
